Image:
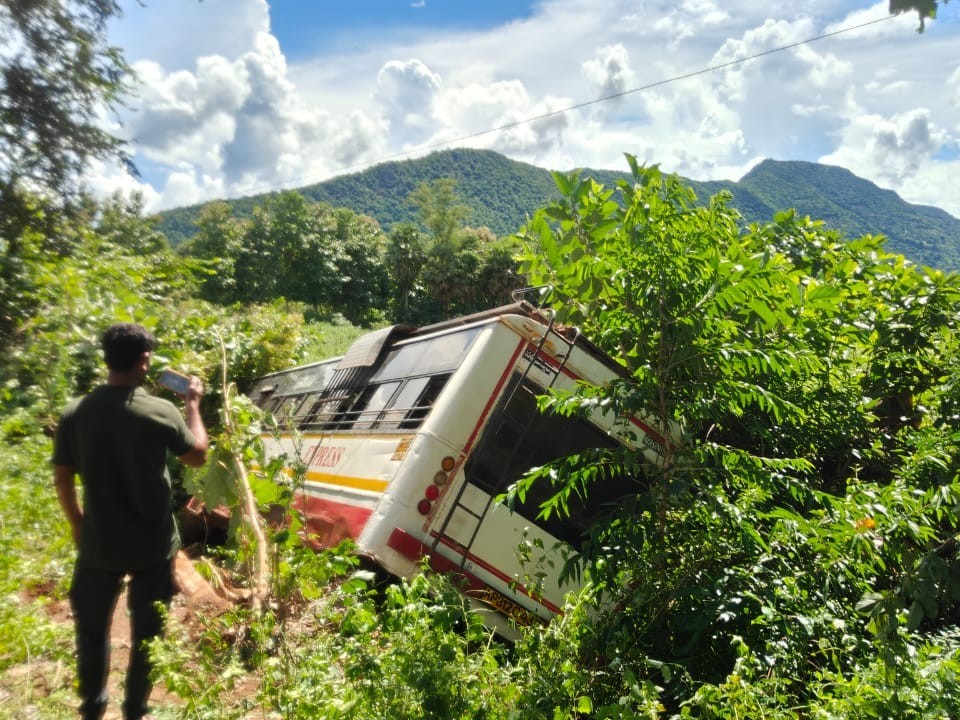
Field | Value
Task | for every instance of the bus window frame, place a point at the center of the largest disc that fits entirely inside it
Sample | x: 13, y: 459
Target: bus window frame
x: 348, y: 408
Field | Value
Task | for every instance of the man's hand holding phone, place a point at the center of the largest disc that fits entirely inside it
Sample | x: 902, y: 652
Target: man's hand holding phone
x: 174, y: 382
x: 185, y: 387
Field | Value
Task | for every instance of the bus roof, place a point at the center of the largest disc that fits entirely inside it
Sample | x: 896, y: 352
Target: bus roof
x: 369, y: 347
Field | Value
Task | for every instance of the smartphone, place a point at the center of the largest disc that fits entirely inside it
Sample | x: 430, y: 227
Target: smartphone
x: 174, y: 381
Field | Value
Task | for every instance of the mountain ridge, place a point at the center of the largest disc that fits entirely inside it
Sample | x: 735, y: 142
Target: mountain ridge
x: 502, y: 193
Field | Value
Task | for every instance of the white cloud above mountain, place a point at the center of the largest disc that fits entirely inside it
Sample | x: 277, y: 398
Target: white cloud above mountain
x: 225, y: 108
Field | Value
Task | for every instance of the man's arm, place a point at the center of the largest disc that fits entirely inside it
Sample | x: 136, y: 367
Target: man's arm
x: 66, y: 486
x: 197, y: 455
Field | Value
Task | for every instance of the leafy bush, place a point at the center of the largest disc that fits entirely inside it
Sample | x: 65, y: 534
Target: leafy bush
x: 797, y: 541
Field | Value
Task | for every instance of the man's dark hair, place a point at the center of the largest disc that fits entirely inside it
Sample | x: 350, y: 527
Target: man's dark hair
x: 124, y: 343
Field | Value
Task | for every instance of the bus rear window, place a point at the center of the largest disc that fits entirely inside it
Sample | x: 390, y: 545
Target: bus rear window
x: 518, y: 438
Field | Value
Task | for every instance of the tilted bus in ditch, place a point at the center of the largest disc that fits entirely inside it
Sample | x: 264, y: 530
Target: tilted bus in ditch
x: 409, y: 438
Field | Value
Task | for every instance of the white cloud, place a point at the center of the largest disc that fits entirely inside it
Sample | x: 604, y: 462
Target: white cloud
x: 935, y: 185
x: 238, y: 125
x: 532, y: 141
x: 476, y: 108
x: 360, y: 136
x: 185, y: 186
x: 892, y: 149
x: 105, y: 180
x: 405, y: 91
x: 682, y: 22
x: 222, y: 113
x: 610, y: 71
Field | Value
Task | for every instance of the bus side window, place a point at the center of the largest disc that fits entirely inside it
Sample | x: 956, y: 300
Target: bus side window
x: 348, y: 409
x: 271, y: 404
x: 265, y: 397
x: 369, y: 406
x: 298, y: 409
x: 307, y: 410
x: 418, y: 412
x: 328, y: 412
x: 285, y: 407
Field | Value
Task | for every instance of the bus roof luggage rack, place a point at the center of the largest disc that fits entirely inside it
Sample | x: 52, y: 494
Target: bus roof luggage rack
x: 517, y: 308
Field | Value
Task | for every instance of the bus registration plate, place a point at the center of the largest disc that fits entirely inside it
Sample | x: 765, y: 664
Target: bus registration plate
x: 519, y: 614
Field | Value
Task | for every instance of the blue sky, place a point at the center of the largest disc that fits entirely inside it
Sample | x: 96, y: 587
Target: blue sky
x: 243, y: 96
x: 301, y: 27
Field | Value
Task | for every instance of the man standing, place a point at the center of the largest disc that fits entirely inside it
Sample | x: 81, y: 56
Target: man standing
x: 116, y: 439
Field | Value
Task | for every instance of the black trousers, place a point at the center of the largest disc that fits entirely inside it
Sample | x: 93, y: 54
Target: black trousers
x: 93, y: 597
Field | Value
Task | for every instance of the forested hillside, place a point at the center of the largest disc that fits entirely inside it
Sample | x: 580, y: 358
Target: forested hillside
x: 501, y: 194
x: 926, y: 235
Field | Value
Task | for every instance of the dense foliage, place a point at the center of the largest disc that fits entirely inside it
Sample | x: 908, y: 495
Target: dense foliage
x: 795, y: 555
x: 338, y: 263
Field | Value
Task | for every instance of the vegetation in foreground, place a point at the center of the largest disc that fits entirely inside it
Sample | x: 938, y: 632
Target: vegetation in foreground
x: 795, y: 557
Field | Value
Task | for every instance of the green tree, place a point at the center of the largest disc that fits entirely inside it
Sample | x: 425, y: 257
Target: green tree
x: 440, y: 209
x: 120, y: 221
x: 765, y: 564
x: 364, y: 282
x: 218, y: 241
x: 499, y: 272
x: 406, y: 258
x: 330, y: 259
x: 450, y: 276
x: 56, y: 75
x: 925, y: 9
x: 289, y: 250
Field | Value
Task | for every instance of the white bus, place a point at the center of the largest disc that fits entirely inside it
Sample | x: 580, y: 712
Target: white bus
x: 410, y: 437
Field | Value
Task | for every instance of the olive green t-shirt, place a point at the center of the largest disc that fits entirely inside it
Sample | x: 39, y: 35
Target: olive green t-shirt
x: 117, y: 438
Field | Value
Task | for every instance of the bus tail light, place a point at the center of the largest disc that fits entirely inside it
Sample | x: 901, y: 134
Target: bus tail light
x: 433, y: 491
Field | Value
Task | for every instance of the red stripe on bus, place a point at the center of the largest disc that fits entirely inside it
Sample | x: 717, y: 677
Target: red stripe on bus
x: 407, y: 545
x: 650, y: 431
x: 328, y: 522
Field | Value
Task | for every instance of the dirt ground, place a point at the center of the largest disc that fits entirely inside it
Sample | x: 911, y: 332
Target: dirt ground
x: 120, y: 654
x: 195, y: 596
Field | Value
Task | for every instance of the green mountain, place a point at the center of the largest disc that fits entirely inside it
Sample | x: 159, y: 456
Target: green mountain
x: 503, y: 193
x: 924, y: 234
